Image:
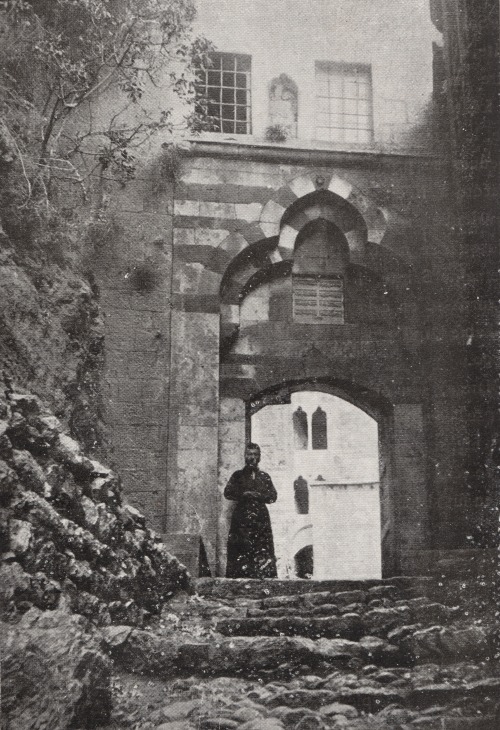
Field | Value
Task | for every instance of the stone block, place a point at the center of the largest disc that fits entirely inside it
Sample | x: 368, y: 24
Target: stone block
x: 224, y: 211
x: 287, y: 239
x: 272, y: 212
x: 196, y: 334
x: 139, y: 390
x: 230, y: 313
x: 232, y: 433
x: 194, y: 278
x: 137, y: 480
x: 248, y: 212
x: 270, y: 228
x: 210, y: 236
x: 253, y: 233
x: 150, y: 503
x: 234, y: 244
x: 340, y: 187
x: 302, y: 185
x: 197, y: 439
x: 201, y: 176
x: 131, y: 438
x: 148, y: 460
x: 184, y: 236
x: 203, y: 412
x: 121, y: 326
x: 116, y: 300
x: 186, y: 208
x: 284, y: 197
x: 136, y: 414
x: 141, y: 364
x: 209, y: 303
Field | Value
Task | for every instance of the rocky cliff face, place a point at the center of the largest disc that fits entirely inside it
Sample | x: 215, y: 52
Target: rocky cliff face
x: 51, y: 330
x: 74, y: 557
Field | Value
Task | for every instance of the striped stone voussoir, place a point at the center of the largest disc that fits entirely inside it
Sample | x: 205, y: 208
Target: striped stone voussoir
x: 230, y: 229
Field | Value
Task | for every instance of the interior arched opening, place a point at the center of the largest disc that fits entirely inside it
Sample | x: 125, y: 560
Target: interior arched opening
x: 345, y: 510
x: 304, y: 562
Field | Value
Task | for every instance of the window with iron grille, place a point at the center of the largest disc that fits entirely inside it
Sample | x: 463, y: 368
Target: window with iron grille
x: 318, y: 300
x: 344, y: 103
x: 223, y: 93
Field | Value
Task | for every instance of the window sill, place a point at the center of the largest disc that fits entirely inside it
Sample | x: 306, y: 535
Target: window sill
x: 250, y: 145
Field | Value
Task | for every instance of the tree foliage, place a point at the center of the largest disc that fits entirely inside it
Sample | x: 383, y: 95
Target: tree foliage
x: 60, y: 58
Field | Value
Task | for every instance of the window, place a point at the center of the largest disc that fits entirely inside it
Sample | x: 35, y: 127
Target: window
x: 318, y: 300
x: 301, y: 493
x: 300, y: 431
x: 223, y: 92
x: 344, y: 103
x: 319, y: 429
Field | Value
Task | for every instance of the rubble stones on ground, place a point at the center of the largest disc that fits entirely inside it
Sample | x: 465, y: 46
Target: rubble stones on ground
x: 54, y: 673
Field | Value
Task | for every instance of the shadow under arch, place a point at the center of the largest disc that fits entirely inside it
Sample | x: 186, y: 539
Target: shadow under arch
x: 370, y: 401
x: 378, y: 407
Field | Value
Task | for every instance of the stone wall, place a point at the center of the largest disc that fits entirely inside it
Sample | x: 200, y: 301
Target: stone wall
x: 134, y: 271
x: 176, y: 353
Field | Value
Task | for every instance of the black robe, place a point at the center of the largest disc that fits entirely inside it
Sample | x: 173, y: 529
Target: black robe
x: 250, y: 547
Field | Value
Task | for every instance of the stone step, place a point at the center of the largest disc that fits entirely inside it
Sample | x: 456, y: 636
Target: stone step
x: 420, y: 609
x: 231, y: 588
x: 463, y: 701
x: 347, y: 625
x: 373, y: 699
x: 148, y: 653
x: 151, y: 653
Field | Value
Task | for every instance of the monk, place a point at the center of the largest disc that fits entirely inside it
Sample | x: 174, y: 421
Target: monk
x: 250, y: 547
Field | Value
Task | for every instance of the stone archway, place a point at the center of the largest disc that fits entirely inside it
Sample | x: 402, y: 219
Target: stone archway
x: 208, y: 396
x: 342, y: 470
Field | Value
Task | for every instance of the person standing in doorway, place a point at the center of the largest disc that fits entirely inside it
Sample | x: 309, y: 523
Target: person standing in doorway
x: 250, y: 547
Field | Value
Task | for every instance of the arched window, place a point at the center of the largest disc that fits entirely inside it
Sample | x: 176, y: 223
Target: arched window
x: 319, y: 429
x: 300, y: 430
x: 319, y: 266
x: 301, y: 491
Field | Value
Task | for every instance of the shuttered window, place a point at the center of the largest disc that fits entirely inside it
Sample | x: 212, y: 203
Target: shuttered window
x: 318, y: 300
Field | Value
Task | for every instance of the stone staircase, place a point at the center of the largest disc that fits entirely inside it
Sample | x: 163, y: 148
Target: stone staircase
x: 398, y: 653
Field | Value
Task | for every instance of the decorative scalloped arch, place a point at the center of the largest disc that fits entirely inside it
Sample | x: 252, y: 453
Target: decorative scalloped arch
x: 273, y: 211
x: 277, y: 239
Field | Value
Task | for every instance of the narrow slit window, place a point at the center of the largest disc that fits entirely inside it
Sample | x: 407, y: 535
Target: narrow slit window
x: 301, y: 493
x: 223, y: 93
x: 300, y: 430
x: 319, y: 435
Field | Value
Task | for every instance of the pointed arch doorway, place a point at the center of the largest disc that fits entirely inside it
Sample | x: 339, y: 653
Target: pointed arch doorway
x: 327, y: 460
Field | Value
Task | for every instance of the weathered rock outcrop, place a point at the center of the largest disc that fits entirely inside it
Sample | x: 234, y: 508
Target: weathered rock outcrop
x: 65, y: 530
x: 54, y: 673
x: 51, y: 326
